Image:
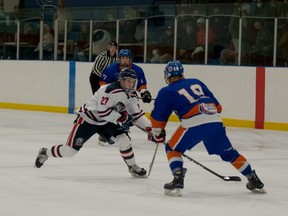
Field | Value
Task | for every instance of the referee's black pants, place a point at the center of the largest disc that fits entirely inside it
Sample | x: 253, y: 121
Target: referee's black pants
x: 94, y: 82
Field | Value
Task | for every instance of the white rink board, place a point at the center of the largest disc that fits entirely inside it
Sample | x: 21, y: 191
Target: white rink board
x: 47, y: 83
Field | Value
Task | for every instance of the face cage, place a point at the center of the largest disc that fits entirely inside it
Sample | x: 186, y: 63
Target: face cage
x: 126, y: 90
x: 166, y: 78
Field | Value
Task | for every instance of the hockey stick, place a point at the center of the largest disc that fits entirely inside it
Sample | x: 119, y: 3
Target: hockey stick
x: 225, y: 178
x: 140, y: 98
x: 153, y: 159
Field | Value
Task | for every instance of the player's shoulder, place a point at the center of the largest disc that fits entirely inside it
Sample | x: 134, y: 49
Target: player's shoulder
x: 136, y: 67
x: 112, y: 67
x: 114, y: 64
x: 114, y: 88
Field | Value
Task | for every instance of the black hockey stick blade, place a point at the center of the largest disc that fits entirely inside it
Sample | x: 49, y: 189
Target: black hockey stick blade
x: 225, y: 178
x: 231, y: 178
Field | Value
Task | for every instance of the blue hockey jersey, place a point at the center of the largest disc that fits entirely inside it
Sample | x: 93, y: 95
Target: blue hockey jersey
x: 187, y: 98
x: 110, y: 74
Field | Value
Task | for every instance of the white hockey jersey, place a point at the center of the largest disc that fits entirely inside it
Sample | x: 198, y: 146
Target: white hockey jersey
x: 102, y: 106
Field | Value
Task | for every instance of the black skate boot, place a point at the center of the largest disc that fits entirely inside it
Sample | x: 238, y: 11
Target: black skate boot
x: 41, y: 157
x: 254, y: 184
x: 136, y: 171
x: 175, y: 187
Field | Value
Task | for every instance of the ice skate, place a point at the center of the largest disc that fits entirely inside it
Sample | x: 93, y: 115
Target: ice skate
x: 41, y: 157
x: 136, y: 171
x: 175, y: 187
x: 254, y: 184
x: 102, y: 141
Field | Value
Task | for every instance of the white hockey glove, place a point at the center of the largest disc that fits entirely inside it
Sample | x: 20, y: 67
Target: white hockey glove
x: 157, y: 135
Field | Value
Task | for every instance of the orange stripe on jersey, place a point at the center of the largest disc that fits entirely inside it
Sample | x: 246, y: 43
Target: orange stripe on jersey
x: 239, y: 162
x: 219, y: 108
x: 176, y: 137
x: 157, y: 124
x: 194, y: 111
x: 142, y: 87
x: 102, y: 83
x: 172, y: 154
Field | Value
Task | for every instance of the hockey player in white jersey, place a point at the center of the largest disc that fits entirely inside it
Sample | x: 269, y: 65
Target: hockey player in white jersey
x: 107, y: 113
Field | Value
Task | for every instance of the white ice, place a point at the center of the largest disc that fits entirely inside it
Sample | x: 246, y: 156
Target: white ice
x: 96, y: 181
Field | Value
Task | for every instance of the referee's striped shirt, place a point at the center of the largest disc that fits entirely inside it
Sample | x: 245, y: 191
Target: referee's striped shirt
x: 102, y: 61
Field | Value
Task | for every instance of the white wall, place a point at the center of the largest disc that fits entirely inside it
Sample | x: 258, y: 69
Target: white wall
x: 34, y: 82
x: 276, y: 95
x: 47, y: 83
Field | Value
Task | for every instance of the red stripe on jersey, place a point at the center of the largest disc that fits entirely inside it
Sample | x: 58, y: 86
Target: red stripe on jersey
x: 116, y: 90
x: 105, y: 113
x: 260, y: 98
x: 72, y: 135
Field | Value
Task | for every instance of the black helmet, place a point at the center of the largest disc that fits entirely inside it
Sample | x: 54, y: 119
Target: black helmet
x: 113, y: 43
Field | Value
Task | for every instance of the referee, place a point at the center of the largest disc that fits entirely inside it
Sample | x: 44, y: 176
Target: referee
x: 102, y: 61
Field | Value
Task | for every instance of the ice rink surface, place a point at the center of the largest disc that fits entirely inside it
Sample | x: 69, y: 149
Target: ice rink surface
x: 96, y: 181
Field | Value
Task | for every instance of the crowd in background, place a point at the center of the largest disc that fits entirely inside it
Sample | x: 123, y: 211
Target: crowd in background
x: 195, y: 32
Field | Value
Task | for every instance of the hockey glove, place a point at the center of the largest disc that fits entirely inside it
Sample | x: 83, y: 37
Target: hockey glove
x: 124, y: 117
x: 150, y: 134
x: 146, y: 97
x: 159, y: 135
x: 128, y: 123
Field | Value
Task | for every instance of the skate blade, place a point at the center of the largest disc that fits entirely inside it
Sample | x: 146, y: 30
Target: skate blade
x: 138, y: 176
x: 259, y: 191
x: 176, y: 192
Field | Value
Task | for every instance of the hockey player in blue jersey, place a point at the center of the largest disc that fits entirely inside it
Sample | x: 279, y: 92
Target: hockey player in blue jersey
x: 110, y: 74
x: 198, y: 111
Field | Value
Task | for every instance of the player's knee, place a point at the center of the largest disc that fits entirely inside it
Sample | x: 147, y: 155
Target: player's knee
x: 68, y: 151
x: 230, y: 155
x: 167, y: 148
x: 123, y: 141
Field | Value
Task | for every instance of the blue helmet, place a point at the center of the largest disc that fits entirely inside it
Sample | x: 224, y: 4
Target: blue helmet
x: 173, y: 69
x: 123, y: 75
x: 125, y: 52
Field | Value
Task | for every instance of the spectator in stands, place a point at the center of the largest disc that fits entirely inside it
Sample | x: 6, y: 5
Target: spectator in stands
x: 282, y: 47
x: 166, y: 44
x: 156, y: 16
x: 186, y: 43
x: 82, y: 43
x: 282, y: 44
x: 228, y: 56
x: 240, y: 8
x: 263, y: 40
x: 127, y: 27
x: 61, y: 15
x: 48, y: 43
x: 140, y: 27
x: 220, y: 25
x: 198, y: 54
